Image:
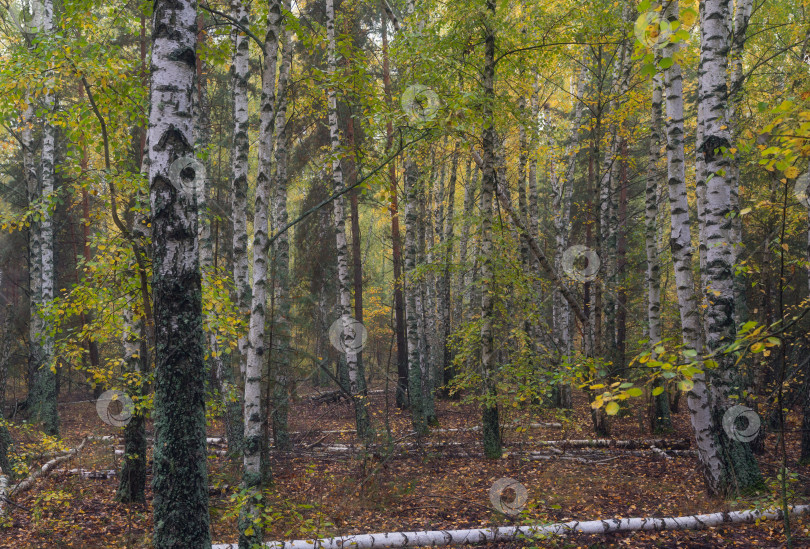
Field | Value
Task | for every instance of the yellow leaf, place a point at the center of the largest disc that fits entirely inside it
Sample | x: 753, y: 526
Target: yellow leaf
x: 791, y: 172
x: 612, y: 408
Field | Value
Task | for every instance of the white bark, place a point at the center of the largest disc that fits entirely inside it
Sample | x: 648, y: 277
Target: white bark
x: 344, y: 280
x: 43, y: 391
x: 651, y: 219
x: 254, y: 416
x: 445, y: 538
x: 412, y: 301
x: 281, y: 351
x: 730, y: 465
x: 239, y: 172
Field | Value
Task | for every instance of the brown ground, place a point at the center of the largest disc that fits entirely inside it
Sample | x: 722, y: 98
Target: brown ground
x: 428, y: 488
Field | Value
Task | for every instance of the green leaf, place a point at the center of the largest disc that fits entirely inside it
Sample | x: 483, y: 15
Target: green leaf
x: 657, y: 391
x: 666, y: 62
x: 686, y: 385
x: 635, y: 392
x: 612, y: 408
x: 648, y: 70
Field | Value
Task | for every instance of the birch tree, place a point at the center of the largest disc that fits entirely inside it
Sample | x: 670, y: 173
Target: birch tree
x: 350, y: 344
x: 660, y: 416
x: 239, y: 171
x: 255, y: 468
x: 180, y: 480
x: 730, y: 465
x: 413, y: 302
x: 42, y: 398
x: 281, y: 350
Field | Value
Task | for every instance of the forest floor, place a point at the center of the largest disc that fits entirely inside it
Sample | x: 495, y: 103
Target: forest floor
x: 318, y: 493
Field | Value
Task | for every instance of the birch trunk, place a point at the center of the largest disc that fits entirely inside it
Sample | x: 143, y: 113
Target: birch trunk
x: 424, y: 304
x: 239, y: 171
x: 282, y: 351
x: 490, y: 422
x: 344, y: 279
x: 255, y: 471
x: 732, y: 467
x: 446, y: 301
x: 412, y: 310
x: 180, y: 480
x: 42, y: 401
x: 681, y: 248
x: 35, y: 323
x: 661, y: 420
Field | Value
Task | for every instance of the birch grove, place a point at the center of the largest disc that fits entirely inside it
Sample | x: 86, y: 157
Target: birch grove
x: 314, y: 267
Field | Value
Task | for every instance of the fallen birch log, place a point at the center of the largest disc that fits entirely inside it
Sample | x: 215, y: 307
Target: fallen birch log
x: 88, y: 473
x: 661, y: 443
x: 445, y: 538
x: 655, y: 445
x: 46, y: 468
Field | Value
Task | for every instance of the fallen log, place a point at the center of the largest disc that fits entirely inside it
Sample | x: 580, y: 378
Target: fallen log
x: 653, y: 445
x: 46, y: 468
x: 445, y: 538
x: 88, y: 473
x: 660, y: 443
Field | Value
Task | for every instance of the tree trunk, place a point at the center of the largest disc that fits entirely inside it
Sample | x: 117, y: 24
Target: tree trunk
x: 350, y: 343
x: 132, y: 479
x: 239, y: 172
x: 239, y: 211
x: 42, y: 401
x: 446, y: 302
x: 396, y: 241
x: 255, y: 471
x: 412, y: 301
x: 180, y: 474
x: 424, y: 306
x: 490, y: 422
x: 282, y: 351
x: 660, y: 418
x: 733, y: 468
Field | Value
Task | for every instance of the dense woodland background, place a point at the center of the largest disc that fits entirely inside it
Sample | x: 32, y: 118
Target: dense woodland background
x: 256, y: 220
